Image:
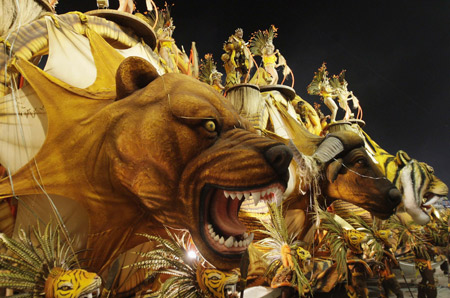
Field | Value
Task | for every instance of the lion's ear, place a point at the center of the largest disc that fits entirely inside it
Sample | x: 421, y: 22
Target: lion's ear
x: 133, y: 73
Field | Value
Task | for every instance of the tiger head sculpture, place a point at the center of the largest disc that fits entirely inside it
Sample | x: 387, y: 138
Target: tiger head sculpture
x: 421, y: 188
x: 419, y: 185
x: 168, y: 151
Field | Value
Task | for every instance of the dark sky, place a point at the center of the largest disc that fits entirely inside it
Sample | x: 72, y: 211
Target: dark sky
x: 396, y: 53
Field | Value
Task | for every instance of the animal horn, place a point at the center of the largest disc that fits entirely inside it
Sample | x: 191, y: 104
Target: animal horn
x: 328, y: 149
x: 336, y: 143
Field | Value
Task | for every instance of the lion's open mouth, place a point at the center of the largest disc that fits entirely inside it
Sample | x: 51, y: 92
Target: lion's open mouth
x: 219, y: 224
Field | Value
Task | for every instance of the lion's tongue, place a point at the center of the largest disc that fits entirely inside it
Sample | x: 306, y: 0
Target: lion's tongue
x: 224, y: 215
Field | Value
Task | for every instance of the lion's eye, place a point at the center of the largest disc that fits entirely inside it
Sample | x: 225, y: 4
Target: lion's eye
x: 210, y: 126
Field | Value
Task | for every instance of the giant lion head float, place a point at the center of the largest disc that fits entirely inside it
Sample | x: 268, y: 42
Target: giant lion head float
x: 169, y: 150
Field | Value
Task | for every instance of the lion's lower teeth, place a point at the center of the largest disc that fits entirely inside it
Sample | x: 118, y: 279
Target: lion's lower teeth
x: 231, y: 241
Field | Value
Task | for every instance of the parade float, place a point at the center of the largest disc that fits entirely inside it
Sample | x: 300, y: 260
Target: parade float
x: 154, y: 174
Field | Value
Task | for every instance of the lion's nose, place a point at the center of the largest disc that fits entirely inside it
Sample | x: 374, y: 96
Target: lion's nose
x: 279, y: 157
x: 395, y: 195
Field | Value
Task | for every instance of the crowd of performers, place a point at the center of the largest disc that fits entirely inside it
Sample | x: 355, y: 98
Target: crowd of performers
x: 348, y: 247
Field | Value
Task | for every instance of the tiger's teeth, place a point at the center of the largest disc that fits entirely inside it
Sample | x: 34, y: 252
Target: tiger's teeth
x: 221, y: 240
x: 239, y: 195
x: 226, y: 194
x: 246, y: 195
x: 256, y: 197
x: 433, y: 200
x: 229, y: 242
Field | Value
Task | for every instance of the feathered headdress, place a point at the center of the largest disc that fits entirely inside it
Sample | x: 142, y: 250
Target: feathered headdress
x: 28, y: 266
x: 338, y: 81
x: 159, y: 19
x: 260, y: 39
x: 208, y: 70
x: 315, y: 87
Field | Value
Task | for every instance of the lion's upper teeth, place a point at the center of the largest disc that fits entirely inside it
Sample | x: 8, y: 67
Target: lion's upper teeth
x: 273, y: 193
x: 256, y: 197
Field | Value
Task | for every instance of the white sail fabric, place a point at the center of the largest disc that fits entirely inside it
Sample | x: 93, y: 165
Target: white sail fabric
x: 23, y: 123
x: 70, y: 58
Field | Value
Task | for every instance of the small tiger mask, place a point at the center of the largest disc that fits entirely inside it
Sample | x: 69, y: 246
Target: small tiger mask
x: 213, y: 282
x: 72, y: 283
x: 354, y: 238
x: 384, y: 235
x: 303, y: 254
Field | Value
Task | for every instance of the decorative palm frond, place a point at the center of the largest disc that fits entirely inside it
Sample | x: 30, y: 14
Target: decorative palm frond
x: 374, y: 243
x: 281, y: 245
x: 335, y: 239
x: 30, y: 259
x: 411, y: 235
x: 437, y: 228
x: 170, y: 257
x: 260, y: 39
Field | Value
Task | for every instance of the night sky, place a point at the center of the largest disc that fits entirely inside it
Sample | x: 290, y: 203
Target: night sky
x: 396, y: 53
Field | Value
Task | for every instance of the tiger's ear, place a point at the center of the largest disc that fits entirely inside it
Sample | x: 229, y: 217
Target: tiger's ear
x: 333, y: 170
x: 134, y: 73
x: 402, y: 158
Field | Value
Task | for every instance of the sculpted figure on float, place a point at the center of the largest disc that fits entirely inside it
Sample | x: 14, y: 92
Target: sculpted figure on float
x: 163, y: 153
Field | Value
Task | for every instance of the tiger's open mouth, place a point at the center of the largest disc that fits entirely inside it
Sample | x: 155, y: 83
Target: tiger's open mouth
x: 430, y: 199
x: 93, y: 294
x: 219, y: 208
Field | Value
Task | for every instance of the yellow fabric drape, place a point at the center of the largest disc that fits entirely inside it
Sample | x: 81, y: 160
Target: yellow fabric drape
x: 71, y: 139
